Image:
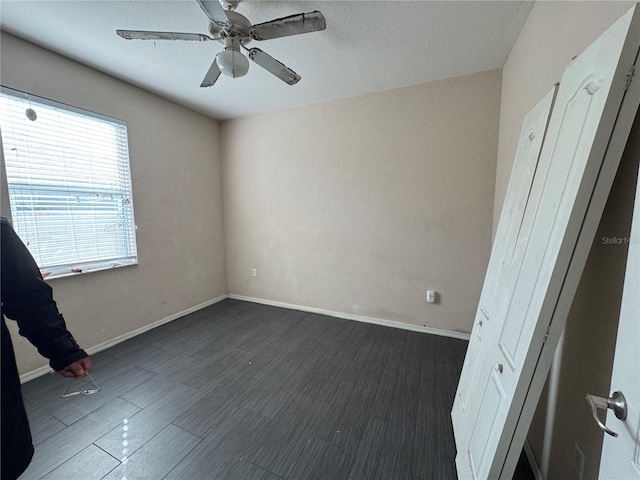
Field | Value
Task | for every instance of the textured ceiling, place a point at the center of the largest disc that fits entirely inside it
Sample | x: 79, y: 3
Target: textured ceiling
x: 368, y: 46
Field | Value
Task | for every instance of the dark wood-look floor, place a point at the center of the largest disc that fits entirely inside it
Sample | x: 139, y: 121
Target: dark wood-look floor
x: 245, y: 391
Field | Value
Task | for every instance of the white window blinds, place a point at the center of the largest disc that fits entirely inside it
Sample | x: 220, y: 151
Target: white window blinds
x: 69, y: 184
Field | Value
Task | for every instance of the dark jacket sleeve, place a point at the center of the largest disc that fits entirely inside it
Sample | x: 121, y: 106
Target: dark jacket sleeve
x: 28, y: 299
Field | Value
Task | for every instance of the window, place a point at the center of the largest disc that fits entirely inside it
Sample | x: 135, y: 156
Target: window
x: 69, y: 184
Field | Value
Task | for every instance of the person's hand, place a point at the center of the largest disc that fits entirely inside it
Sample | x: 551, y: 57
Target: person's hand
x: 77, y: 369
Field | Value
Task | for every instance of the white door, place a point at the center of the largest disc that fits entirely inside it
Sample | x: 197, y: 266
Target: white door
x: 621, y: 454
x: 516, y: 199
x: 540, y: 273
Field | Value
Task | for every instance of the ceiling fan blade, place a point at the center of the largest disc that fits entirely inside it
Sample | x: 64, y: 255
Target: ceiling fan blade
x: 212, y: 75
x: 214, y: 11
x: 146, y: 35
x: 291, y: 25
x: 272, y: 65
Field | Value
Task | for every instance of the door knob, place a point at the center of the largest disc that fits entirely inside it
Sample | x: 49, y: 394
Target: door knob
x: 616, y: 402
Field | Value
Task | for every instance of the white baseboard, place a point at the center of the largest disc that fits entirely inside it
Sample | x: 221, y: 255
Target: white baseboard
x: 347, y: 316
x: 38, y: 372
x: 119, y: 339
x: 528, y: 451
x: 357, y: 318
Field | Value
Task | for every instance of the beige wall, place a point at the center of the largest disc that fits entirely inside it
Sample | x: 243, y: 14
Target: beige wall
x: 553, y: 34
x: 359, y: 206
x: 177, y: 193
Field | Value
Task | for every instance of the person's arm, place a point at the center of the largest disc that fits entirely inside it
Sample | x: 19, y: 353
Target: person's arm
x: 28, y: 299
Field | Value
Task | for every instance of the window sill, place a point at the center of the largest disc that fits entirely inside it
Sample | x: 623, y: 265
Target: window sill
x: 52, y: 273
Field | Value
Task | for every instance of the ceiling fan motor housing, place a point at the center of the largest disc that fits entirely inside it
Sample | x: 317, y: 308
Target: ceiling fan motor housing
x: 238, y: 26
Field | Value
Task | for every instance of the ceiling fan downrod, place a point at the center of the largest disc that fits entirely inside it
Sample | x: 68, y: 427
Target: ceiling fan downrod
x: 229, y: 5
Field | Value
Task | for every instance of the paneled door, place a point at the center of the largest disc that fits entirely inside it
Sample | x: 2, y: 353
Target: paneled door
x: 542, y: 263
x: 517, y: 197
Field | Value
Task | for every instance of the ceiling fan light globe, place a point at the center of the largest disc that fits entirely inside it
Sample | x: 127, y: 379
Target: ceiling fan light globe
x: 232, y: 63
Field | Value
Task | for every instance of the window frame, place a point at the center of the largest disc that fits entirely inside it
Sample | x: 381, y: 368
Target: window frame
x: 129, y: 254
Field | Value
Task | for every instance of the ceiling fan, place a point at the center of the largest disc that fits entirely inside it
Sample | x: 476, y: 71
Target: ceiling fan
x: 235, y: 30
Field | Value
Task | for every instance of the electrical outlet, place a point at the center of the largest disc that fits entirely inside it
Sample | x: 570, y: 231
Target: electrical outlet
x: 254, y: 272
x: 578, y: 460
